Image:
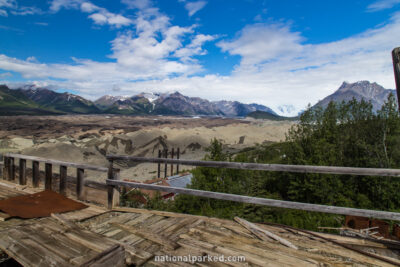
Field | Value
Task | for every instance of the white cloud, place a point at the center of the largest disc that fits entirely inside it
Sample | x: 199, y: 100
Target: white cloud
x: 140, y: 4
x: 8, y: 3
x: 193, y: 7
x: 14, y: 9
x: 382, y: 4
x: 57, y: 5
x: 262, y: 42
x: 99, y: 15
x: 143, y: 50
x: 26, y: 10
x: 194, y: 48
x: 89, y: 7
x: 143, y: 54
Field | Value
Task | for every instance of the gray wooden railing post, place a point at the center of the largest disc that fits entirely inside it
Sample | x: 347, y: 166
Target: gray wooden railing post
x: 177, y: 157
x: 63, y: 180
x: 112, y: 194
x: 80, y: 190
x: 11, y: 169
x: 172, y: 164
x: 5, y: 168
x: 396, y: 68
x: 22, y: 172
x: 48, y: 176
x: 35, y: 174
x: 166, y: 165
x: 159, y: 165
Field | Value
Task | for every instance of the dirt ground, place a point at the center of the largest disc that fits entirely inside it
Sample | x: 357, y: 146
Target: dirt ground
x: 89, y: 138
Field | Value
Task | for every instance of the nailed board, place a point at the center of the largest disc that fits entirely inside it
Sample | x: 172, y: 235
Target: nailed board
x: 45, y: 242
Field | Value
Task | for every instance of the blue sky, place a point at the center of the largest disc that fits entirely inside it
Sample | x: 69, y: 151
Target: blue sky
x: 277, y: 53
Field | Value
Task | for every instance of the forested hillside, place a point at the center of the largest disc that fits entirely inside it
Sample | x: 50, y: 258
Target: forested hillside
x: 346, y: 134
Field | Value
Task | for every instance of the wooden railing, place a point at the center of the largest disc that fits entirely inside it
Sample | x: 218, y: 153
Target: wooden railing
x: 10, y: 173
x: 113, y: 183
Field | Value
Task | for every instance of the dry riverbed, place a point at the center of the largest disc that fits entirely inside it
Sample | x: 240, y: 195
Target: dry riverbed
x: 87, y: 138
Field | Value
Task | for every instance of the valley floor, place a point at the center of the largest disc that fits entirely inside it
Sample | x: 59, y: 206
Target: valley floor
x: 88, y: 138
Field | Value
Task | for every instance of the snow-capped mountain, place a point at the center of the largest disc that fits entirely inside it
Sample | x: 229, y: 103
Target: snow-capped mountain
x: 287, y: 110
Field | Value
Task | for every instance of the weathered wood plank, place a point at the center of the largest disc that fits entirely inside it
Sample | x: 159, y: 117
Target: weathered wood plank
x: 24, y: 255
x: 52, y: 243
x: 84, y: 214
x: 25, y: 240
x: 114, y: 256
x: 170, y: 214
x: 58, y: 162
x: 97, y: 242
x: 267, y: 167
x: 264, y: 201
x: 143, y: 232
x: 262, y: 233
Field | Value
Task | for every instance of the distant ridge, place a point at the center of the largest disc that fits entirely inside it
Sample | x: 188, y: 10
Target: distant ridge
x: 268, y: 116
x: 359, y: 90
x: 34, y: 100
x: 176, y: 104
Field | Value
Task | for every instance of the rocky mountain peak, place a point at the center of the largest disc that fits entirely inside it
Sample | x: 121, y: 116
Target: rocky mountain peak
x: 366, y: 90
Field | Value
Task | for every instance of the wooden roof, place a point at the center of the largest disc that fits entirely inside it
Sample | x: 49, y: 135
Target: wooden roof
x: 141, y: 236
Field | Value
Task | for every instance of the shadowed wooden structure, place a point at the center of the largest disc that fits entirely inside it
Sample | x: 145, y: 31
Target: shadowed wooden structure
x: 118, y: 236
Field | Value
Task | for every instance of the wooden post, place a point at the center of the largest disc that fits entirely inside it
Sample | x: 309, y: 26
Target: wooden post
x: 35, y: 173
x: 172, y: 165
x: 166, y: 165
x: 5, y: 168
x: 48, y: 176
x: 177, y: 157
x: 22, y: 171
x: 63, y: 180
x: 113, y: 193
x: 159, y: 165
x: 11, y: 169
x: 396, y: 68
x: 80, y: 183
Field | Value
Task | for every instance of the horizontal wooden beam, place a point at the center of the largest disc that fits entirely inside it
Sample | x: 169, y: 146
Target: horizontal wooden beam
x: 58, y: 162
x: 263, y: 201
x: 266, y: 167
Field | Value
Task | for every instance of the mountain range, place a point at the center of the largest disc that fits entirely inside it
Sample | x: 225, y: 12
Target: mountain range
x: 33, y: 100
